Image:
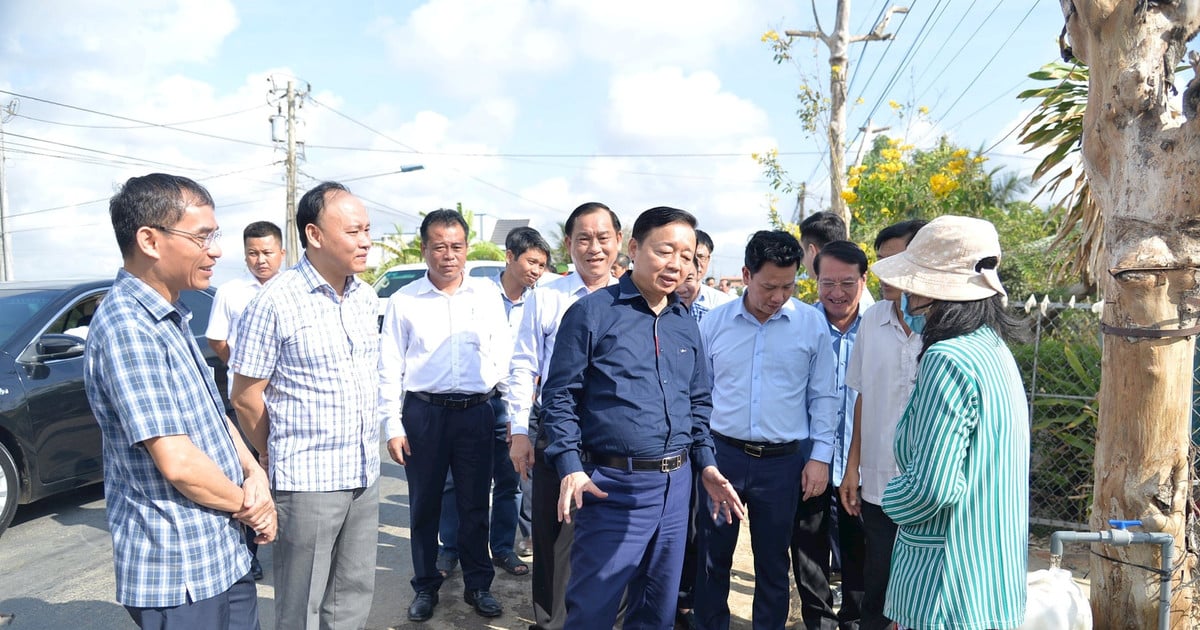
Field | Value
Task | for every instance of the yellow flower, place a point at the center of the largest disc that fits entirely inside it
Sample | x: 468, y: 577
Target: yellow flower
x: 961, y: 153
x: 979, y: 159
x: 857, y: 170
x: 836, y: 69
x: 853, y: 182
x: 923, y: 110
x: 754, y: 156
x: 859, y: 101
x: 770, y: 36
x: 955, y: 167
x: 849, y: 196
x: 894, y: 105
x: 890, y: 154
x: 906, y: 147
x: 941, y: 185
x: 893, y: 142
x: 885, y: 211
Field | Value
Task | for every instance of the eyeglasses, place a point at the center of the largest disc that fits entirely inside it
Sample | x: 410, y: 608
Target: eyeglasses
x: 205, y: 241
x: 845, y: 285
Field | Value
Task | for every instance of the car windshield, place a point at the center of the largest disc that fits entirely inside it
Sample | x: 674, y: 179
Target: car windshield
x: 19, y: 306
x: 392, y: 281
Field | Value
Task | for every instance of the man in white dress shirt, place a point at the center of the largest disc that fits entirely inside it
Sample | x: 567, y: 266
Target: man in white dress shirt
x: 883, y: 369
x: 445, y: 348
x: 593, y: 236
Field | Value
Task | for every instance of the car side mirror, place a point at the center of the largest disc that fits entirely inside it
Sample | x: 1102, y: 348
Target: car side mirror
x: 53, y: 347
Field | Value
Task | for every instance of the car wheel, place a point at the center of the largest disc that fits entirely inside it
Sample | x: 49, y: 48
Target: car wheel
x: 9, y: 489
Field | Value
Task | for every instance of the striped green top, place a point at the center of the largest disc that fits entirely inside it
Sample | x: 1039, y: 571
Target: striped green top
x: 962, y: 497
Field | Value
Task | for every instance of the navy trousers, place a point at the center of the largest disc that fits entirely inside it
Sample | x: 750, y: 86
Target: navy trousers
x: 767, y: 485
x: 633, y: 539
x: 235, y: 609
x: 460, y: 441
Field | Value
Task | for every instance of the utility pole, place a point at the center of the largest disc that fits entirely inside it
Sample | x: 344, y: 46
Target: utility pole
x: 294, y: 97
x: 838, y: 43
x: 6, y: 258
x: 868, y: 132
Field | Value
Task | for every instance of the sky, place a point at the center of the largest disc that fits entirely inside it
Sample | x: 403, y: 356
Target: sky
x: 515, y: 108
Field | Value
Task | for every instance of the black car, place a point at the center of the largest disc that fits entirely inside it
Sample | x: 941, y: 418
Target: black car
x: 49, y: 439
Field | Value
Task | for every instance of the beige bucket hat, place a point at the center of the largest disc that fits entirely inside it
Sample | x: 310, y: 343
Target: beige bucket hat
x: 940, y: 261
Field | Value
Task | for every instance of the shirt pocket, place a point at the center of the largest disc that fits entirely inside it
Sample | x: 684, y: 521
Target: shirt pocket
x: 318, y: 348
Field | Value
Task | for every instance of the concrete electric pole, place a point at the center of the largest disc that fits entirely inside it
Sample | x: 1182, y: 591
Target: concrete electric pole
x: 295, y: 150
x: 6, y: 258
x: 839, y: 62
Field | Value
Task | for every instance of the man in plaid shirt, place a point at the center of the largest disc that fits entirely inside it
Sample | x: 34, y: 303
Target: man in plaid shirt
x: 179, y: 482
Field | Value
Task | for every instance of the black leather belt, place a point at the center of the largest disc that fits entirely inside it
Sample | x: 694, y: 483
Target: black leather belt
x: 761, y: 449
x: 454, y: 401
x: 667, y: 464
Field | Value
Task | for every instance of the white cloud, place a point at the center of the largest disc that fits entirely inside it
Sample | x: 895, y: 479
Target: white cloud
x: 667, y: 106
x: 472, y: 46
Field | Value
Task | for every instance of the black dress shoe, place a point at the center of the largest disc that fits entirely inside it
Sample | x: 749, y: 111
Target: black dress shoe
x: 485, y: 605
x: 421, y: 608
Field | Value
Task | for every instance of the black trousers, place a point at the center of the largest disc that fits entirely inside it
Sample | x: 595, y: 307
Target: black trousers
x: 810, y: 563
x: 458, y: 440
x: 877, y: 568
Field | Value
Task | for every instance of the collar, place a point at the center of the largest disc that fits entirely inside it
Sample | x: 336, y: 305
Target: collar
x: 314, y: 281
x: 504, y: 294
x: 424, y: 285
x: 627, y: 291
x: 151, y: 300
x: 834, y: 329
x: 788, y: 310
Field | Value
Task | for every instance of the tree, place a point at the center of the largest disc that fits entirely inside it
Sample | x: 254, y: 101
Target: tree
x: 813, y: 105
x: 1057, y: 122
x: 1141, y: 158
x: 897, y: 181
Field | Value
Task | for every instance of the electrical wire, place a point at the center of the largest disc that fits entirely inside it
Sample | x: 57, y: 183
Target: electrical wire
x: 141, y: 126
x: 999, y: 49
x: 134, y: 120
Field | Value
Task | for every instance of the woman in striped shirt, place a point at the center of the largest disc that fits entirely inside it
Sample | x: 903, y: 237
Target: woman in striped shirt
x: 961, y: 499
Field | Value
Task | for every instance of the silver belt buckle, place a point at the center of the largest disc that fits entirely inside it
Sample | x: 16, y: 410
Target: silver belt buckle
x: 753, y: 450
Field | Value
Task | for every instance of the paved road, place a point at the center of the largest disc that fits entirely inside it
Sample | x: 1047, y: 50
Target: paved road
x: 56, y: 571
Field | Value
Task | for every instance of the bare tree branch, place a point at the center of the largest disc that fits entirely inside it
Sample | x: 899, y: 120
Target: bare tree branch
x: 877, y: 34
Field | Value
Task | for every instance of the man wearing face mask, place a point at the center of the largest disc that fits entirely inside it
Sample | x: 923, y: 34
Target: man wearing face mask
x: 883, y: 368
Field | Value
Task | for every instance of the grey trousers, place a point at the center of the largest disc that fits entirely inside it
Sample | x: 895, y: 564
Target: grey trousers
x: 324, y: 558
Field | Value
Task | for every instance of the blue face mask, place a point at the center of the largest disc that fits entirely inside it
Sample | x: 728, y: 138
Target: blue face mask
x: 916, y: 323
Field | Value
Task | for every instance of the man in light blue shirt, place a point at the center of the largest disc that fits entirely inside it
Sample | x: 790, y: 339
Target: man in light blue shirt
x: 773, y: 421
x: 821, y: 527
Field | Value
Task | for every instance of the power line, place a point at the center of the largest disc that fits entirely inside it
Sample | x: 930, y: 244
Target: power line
x: 904, y: 61
x: 863, y: 51
x: 945, y: 40
x: 117, y: 155
x: 141, y: 126
x: 134, y: 120
x: 105, y: 199
x: 886, y: 50
x: 993, y: 57
x: 452, y: 168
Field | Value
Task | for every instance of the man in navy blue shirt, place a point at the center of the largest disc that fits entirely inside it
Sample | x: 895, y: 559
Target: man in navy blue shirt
x: 627, y: 403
